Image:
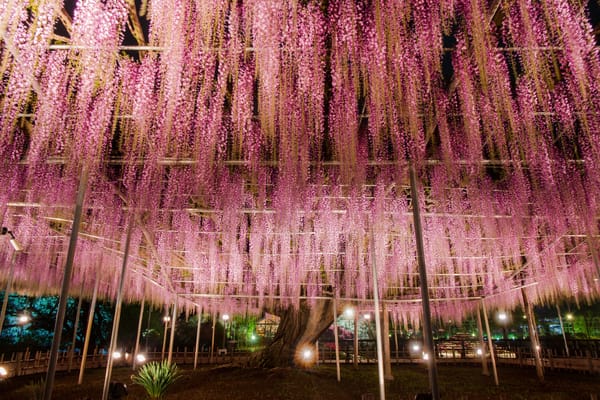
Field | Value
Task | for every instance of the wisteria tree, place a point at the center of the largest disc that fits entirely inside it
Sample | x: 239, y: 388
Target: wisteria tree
x: 260, y: 149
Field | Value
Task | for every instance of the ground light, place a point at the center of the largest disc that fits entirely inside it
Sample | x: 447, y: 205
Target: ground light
x: 24, y: 319
x: 349, y: 312
x: 307, y: 355
x: 117, y: 355
x: 140, y: 358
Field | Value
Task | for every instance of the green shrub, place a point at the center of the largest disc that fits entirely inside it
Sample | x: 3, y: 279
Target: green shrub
x: 156, y: 377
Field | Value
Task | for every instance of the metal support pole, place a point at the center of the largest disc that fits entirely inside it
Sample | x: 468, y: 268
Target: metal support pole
x: 212, y: 341
x: 117, y: 317
x: 385, y: 338
x: 396, y: 339
x: 172, y: 339
x: 136, y: 349
x: 490, y: 343
x: 484, y: 366
x: 594, y: 252
x: 336, y: 339
x: 75, y: 326
x: 533, y: 336
x: 427, y: 336
x: 562, y: 330
x: 88, y: 330
x: 7, y: 289
x: 166, y: 320
x: 66, y: 283
x: 197, y: 340
x: 377, y: 320
x: 355, y: 361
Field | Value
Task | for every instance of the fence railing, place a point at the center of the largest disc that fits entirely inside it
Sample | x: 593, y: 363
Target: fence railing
x: 583, y: 356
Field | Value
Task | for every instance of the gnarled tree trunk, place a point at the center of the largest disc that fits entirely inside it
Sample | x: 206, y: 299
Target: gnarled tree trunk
x: 298, y: 328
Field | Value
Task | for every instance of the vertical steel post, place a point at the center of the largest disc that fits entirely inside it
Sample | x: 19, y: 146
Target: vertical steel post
x: 88, y: 331
x: 490, y: 343
x: 427, y: 331
x: 66, y: 283
x: 7, y: 290
x: 355, y: 361
x: 166, y: 320
x: 377, y: 320
x: 396, y: 339
x: 484, y: 366
x: 335, y: 338
x: 562, y: 330
x: 117, y: 317
x: 172, y: 338
x: 197, y: 340
x: 385, y: 338
x: 533, y: 336
x: 212, y: 341
x: 136, y: 349
x: 75, y: 326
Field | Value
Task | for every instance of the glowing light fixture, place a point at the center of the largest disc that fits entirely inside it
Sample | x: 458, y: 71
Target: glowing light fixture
x: 140, y: 358
x: 166, y: 319
x: 117, y: 355
x: 23, y: 319
x: 307, y: 354
x: 3, y: 372
x: 367, y: 316
x: 479, y: 352
x: 425, y: 356
x: 502, y: 317
x: 225, y: 317
x: 349, y: 312
x: 416, y: 347
x: 570, y: 316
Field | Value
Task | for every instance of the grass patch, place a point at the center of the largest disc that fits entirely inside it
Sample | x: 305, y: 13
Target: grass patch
x: 237, y: 383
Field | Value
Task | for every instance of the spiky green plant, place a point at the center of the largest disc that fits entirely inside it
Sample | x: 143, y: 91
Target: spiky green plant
x: 156, y: 377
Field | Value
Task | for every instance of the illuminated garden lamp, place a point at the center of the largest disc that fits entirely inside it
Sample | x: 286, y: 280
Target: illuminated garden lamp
x: 23, y: 319
x: 349, y: 312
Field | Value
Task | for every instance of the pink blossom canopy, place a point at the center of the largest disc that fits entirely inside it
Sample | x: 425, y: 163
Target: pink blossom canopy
x: 257, y: 145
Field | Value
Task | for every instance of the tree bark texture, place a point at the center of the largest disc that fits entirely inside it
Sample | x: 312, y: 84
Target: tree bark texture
x: 298, y: 328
